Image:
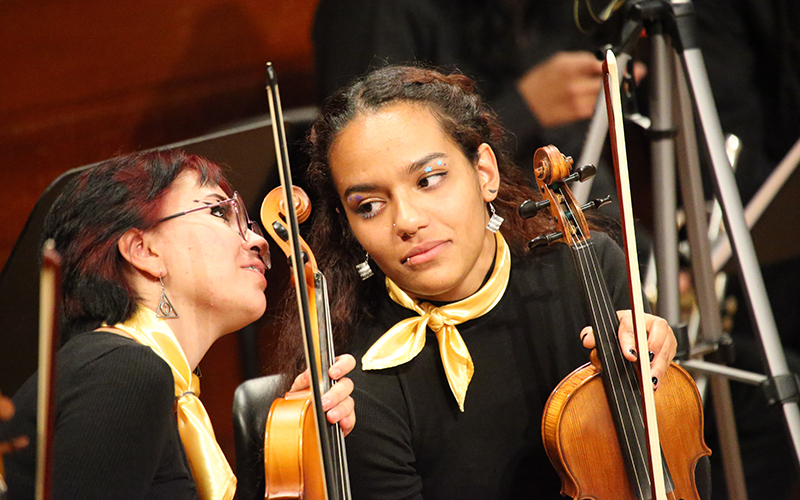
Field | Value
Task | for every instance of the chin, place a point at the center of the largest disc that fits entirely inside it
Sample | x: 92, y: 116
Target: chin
x: 248, y: 315
x: 439, y: 286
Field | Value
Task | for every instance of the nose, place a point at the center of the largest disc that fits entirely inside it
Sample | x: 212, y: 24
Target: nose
x: 256, y: 243
x: 408, y: 216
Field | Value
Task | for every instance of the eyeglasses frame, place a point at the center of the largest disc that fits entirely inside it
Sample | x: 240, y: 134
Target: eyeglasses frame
x: 241, y: 216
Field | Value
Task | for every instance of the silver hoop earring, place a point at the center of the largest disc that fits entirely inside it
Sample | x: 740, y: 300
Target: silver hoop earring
x: 165, y: 309
x: 495, y: 221
x: 364, y: 271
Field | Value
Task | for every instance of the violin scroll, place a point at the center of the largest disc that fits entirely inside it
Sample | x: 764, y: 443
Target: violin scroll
x: 273, y: 216
x: 554, y: 172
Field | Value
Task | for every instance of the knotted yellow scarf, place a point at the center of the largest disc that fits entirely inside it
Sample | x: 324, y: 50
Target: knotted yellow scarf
x: 406, y: 339
x: 210, y: 468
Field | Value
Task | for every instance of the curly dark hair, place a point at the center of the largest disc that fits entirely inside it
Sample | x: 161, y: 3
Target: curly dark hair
x: 463, y: 116
x: 90, y: 216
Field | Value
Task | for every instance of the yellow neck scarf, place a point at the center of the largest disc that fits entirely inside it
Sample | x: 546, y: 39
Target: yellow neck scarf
x: 210, y: 469
x: 407, y: 338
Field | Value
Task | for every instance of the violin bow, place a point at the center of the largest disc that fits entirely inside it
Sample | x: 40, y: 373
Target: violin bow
x: 616, y: 132
x: 312, y: 340
x: 49, y: 285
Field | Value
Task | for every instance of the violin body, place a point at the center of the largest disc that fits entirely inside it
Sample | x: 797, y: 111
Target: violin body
x: 291, y: 449
x: 582, y: 443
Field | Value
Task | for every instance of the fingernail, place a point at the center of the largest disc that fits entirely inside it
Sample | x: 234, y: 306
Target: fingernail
x: 633, y: 351
x: 655, y: 382
x: 584, y: 336
x: 652, y: 355
x: 333, y: 415
x: 326, y: 403
x: 336, y: 373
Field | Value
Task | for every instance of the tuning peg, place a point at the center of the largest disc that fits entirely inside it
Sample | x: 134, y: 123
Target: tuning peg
x: 545, y: 239
x: 582, y: 173
x: 596, y: 203
x: 530, y: 208
x: 305, y: 258
x: 283, y: 234
x: 280, y: 231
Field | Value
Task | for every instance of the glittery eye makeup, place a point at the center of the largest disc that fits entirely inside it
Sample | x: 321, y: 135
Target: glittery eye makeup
x: 355, y: 198
x: 439, y: 163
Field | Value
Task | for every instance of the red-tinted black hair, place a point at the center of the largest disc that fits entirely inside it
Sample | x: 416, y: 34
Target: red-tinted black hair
x: 91, y: 215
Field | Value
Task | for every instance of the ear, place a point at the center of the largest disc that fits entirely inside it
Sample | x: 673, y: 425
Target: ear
x: 137, y: 248
x: 488, y: 173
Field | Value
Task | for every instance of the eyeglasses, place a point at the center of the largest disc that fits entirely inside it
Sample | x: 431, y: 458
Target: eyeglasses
x: 234, y: 213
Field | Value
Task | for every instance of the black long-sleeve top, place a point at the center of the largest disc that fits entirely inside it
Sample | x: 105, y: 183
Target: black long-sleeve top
x: 411, y: 440
x: 116, y: 436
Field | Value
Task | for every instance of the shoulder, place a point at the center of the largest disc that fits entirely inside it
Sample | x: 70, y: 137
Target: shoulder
x: 109, y: 364
x: 552, y: 269
x: 104, y: 349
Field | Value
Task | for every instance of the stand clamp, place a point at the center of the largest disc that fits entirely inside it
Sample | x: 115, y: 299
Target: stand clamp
x: 782, y: 389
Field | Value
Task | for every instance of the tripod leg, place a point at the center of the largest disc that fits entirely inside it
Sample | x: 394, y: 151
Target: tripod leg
x: 703, y: 277
x: 595, y: 139
x: 728, y: 196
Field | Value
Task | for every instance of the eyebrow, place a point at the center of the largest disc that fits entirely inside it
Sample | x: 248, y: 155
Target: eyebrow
x: 412, y: 167
x: 418, y: 164
x: 216, y: 196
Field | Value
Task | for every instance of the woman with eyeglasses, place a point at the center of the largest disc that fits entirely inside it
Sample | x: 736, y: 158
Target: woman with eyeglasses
x: 159, y: 260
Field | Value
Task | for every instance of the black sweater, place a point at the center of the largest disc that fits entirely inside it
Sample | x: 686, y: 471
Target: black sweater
x: 411, y: 440
x: 116, y: 435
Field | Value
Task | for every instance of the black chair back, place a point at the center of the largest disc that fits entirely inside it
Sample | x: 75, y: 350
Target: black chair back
x: 251, y: 403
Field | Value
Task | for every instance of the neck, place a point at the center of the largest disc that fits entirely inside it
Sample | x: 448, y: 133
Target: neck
x: 194, y: 331
x: 194, y: 336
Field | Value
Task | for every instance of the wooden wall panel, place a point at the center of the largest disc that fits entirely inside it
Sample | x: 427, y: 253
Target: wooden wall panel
x: 84, y: 80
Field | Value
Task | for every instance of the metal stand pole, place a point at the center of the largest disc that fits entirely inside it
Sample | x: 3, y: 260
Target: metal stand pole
x: 662, y: 147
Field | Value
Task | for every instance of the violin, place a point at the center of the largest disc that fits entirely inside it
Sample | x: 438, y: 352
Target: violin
x: 605, y: 431
x: 304, y: 455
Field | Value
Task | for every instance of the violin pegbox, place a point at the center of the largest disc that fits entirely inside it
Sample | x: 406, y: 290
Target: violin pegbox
x: 554, y: 172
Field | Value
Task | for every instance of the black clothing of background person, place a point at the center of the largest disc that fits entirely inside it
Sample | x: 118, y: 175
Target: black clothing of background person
x: 492, y: 42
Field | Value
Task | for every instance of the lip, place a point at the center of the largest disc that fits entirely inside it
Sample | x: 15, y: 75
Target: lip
x: 423, y: 253
x: 258, y: 265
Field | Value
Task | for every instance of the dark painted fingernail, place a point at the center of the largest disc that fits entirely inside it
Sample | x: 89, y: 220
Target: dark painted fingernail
x: 652, y: 355
x: 633, y: 351
x: 655, y: 382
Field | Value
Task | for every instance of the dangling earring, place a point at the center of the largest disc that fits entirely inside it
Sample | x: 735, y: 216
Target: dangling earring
x: 495, y: 221
x: 364, y: 270
x: 165, y: 309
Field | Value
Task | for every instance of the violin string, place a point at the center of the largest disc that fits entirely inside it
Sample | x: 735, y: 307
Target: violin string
x: 614, y: 364
x: 627, y: 377
x: 629, y: 372
x: 606, y: 318
x: 337, y: 437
